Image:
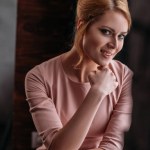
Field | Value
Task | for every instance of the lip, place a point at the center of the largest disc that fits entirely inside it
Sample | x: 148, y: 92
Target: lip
x: 106, y: 53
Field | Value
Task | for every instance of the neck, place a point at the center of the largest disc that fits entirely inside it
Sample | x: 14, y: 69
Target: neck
x: 86, y: 67
x: 79, y: 74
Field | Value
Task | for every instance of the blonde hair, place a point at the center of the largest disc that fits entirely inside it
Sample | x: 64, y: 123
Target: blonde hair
x: 88, y: 10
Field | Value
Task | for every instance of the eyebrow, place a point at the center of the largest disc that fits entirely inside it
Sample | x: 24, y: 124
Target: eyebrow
x: 114, y: 30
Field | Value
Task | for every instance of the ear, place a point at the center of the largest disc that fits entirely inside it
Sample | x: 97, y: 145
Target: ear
x: 79, y: 23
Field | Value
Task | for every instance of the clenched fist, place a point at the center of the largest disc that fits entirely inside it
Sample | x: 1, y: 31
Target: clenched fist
x: 104, y: 80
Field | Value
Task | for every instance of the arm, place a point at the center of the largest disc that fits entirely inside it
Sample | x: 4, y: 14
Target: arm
x: 121, y: 117
x: 45, y: 117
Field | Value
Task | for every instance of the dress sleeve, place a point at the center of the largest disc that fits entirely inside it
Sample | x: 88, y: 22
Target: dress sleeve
x: 42, y: 108
x: 120, y: 120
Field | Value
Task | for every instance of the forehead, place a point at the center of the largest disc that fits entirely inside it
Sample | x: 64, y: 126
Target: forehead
x: 113, y: 19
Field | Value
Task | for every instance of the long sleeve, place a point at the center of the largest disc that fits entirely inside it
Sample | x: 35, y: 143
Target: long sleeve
x: 120, y: 119
x: 42, y: 108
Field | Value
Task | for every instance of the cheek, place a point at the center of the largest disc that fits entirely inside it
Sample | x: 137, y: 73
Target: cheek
x: 120, y: 47
x: 90, y: 43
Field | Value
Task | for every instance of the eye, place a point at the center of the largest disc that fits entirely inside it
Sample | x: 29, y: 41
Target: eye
x: 121, y: 37
x: 106, y: 32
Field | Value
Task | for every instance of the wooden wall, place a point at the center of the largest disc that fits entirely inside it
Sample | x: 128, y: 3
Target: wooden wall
x: 43, y: 31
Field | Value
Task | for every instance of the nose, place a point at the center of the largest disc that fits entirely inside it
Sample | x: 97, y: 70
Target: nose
x: 113, y: 44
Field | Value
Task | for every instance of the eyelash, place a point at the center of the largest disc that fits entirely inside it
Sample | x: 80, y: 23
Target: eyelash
x: 105, y: 31
x: 109, y: 33
x: 123, y: 36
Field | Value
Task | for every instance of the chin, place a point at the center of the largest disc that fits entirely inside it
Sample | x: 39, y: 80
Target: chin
x: 104, y: 63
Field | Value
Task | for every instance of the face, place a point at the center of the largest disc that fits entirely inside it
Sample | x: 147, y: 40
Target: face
x: 105, y: 38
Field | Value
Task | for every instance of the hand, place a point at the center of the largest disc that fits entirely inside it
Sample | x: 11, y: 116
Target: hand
x: 104, y: 80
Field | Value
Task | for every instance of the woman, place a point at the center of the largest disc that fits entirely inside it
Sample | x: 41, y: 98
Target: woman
x: 82, y: 98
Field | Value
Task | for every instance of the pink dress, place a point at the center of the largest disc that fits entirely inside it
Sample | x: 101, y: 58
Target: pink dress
x: 54, y: 98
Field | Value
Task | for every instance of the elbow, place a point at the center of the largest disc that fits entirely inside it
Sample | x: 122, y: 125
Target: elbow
x: 55, y: 143
x: 127, y: 124
x: 58, y: 145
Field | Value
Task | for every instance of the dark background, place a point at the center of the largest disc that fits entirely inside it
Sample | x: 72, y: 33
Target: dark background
x: 43, y: 30
x: 8, y: 14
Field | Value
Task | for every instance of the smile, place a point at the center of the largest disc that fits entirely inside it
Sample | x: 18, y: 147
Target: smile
x: 106, y: 53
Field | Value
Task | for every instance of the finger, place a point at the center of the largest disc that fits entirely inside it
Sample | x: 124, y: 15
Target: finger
x: 116, y: 84
x: 102, y: 67
x: 113, y: 76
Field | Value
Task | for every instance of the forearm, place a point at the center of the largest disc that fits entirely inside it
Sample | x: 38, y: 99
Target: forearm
x: 71, y: 136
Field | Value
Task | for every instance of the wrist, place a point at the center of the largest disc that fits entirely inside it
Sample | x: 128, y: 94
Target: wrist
x: 100, y: 93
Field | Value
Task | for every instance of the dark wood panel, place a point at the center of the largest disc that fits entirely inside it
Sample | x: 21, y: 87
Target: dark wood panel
x: 43, y: 27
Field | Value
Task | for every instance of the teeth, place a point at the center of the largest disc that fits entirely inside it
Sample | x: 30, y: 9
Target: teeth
x: 106, y: 53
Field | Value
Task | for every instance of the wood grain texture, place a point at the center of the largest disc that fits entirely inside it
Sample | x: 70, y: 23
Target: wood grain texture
x: 43, y: 31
